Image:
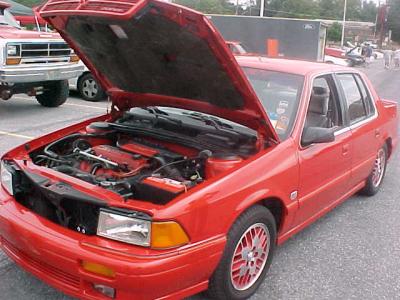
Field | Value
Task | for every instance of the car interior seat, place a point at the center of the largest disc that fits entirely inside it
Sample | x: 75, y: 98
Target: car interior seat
x: 317, y: 115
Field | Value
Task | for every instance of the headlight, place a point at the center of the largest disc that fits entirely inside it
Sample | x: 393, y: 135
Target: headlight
x: 13, y: 50
x: 6, y: 178
x: 124, y: 228
x: 132, y: 230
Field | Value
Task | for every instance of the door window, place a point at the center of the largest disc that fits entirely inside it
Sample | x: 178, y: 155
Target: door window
x: 356, y: 107
x: 324, y: 108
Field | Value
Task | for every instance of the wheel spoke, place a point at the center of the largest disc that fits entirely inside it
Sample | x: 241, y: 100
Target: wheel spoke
x: 250, y: 257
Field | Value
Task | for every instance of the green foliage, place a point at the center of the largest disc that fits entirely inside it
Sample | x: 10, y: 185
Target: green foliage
x: 357, y: 10
x: 30, y: 3
x: 369, y: 11
x: 208, y: 6
x: 394, y: 19
x: 294, y: 8
x: 335, y: 32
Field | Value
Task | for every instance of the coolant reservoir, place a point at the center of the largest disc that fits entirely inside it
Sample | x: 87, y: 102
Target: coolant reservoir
x: 217, y: 165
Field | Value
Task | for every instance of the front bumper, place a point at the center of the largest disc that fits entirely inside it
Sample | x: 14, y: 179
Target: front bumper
x: 39, y: 73
x: 54, y: 253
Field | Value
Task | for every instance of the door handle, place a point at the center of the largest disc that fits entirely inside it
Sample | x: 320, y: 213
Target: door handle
x: 345, y: 149
x: 377, y: 133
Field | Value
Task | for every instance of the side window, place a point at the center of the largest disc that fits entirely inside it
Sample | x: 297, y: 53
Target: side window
x: 324, y: 107
x: 366, y: 95
x: 355, y: 102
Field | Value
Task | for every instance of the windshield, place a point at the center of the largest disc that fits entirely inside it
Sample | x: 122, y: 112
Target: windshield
x: 6, y: 18
x: 279, y: 94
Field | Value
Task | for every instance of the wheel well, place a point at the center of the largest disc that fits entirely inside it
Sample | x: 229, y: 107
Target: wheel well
x: 83, y: 74
x: 276, y: 208
x: 389, y: 146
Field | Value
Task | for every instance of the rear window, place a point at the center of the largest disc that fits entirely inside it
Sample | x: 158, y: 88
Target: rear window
x: 279, y: 94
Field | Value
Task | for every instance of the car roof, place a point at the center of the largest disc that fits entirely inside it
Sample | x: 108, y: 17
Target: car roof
x: 291, y: 66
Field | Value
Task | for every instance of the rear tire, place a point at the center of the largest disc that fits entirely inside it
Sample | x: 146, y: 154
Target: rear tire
x: 89, y: 88
x: 247, y: 256
x: 375, y: 179
x: 55, y: 94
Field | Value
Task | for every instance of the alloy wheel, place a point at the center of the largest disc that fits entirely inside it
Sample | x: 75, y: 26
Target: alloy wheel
x: 379, y: 168
x: 250, y: 257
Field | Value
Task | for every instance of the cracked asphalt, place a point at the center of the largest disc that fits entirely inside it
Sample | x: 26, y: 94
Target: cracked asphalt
x: 351, y: 253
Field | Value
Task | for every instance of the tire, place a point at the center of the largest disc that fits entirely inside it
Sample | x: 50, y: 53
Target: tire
x: 54, y: 94
x: 89, y: 89
x: 225, y: 283
x: 375, y: 179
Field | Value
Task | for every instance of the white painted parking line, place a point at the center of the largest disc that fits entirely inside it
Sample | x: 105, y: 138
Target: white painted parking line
x: 71, y: 104
x: 86, y: 106
x: 21, y: 136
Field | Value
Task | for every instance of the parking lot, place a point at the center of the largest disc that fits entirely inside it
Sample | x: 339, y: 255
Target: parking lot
x: 352, y: 253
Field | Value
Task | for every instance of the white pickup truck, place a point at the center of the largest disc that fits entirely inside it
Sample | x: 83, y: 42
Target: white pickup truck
x: 34, y: 63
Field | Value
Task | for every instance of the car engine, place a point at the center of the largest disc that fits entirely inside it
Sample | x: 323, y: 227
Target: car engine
x: 150, y: 154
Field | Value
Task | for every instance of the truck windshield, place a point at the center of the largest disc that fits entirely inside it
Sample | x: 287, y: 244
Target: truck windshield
x: 279, y: 94
x: 6, y: 18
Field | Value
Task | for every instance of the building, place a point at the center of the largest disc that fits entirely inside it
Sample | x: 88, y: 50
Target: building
x: 355, y: 31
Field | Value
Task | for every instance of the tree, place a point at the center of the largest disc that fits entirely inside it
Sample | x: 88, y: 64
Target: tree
x: 394, y: 19
x: 369, y: 11
x: 30, y: 3
x: 208, y: 6
x: 335, y: 32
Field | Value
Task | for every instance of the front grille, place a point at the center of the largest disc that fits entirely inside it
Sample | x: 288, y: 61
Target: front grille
x: 73, y: 282
x: 45, y: 52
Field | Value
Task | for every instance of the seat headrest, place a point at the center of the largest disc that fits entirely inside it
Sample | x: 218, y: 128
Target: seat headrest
x: 319, y: 102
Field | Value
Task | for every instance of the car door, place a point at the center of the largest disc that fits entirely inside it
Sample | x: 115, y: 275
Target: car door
x: 363, y: 120
x: 324, y: 168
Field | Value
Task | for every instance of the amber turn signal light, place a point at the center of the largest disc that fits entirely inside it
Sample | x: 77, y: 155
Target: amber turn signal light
x: 74, y: 58
x: 13, y: 61
x: 167, y: 235
x: 98, y: 269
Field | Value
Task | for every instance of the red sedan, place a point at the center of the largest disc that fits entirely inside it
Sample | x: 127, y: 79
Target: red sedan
x: 204, y: 164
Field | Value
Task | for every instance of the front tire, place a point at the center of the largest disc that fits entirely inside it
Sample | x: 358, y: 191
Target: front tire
x: 89, y: 89
x: 247, y: 256
x: 375, y: 179
x: 55, y: 94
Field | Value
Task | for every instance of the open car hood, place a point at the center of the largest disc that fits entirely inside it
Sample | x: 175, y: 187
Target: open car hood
x: 149, y: 52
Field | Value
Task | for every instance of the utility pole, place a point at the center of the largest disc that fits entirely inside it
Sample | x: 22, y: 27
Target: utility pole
x: 262, y: 6
x: 344, y: 21
x: 237, y: 7
x: 376, y: 19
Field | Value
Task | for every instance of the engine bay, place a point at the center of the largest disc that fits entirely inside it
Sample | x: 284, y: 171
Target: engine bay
x: 152, y: 154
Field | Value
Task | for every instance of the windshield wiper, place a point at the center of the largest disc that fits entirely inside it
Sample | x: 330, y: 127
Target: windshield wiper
x: 211, y: 121
x: 160, y: 114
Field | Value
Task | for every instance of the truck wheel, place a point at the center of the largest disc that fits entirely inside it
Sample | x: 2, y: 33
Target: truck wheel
x: 89, y: 89
x: 375, y: 179
x: 54, y: 94
x: 247, y: 256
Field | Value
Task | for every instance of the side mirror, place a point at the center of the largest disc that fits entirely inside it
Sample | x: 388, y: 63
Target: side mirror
x: 317, y: 135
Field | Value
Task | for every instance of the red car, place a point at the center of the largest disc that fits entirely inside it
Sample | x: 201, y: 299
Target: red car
x: 335, y: 52
x: 237, y: 48
x: 204, y: 164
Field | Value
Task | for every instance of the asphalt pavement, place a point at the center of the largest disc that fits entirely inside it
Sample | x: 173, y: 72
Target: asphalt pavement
x: 351, y: 253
